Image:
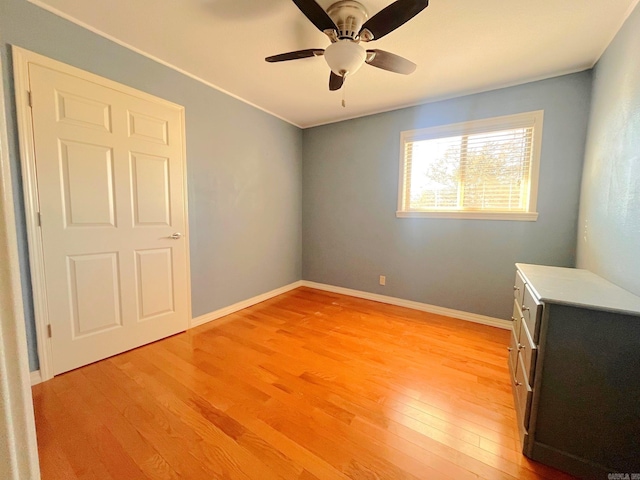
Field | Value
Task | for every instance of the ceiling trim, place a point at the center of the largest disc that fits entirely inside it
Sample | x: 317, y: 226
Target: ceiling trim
x: 624, y: 19
x: 463, y: 93
x: 75, y: 20
x: 92, y: 29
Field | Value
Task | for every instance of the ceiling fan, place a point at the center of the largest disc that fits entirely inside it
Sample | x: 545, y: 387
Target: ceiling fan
x: 347, y: 23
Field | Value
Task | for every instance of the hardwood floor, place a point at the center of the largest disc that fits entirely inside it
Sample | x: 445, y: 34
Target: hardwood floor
x: 309, y: 385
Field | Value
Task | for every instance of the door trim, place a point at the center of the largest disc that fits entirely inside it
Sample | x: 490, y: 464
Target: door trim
x: 17, y: 424
x: 21, y: 60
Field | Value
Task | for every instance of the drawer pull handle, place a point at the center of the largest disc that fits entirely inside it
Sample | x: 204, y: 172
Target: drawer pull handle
x: 521, y: 346
x: 510, y: 349
x: 515, y: 288
x: 517, y: 383
x: 524, y: 307
x: 513, y: 319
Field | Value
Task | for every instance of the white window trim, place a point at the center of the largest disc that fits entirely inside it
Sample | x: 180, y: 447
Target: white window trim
x: 468, y: 128
x: 471, y: 215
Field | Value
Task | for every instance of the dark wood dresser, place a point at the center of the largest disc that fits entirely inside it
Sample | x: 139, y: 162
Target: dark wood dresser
x: 575, y: 366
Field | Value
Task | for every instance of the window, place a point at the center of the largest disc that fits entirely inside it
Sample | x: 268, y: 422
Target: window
x: 484, y: 169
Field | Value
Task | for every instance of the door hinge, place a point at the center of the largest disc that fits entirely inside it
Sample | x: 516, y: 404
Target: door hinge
x: 29, y: 98
x: 49, y: 330
x: 39, y: 219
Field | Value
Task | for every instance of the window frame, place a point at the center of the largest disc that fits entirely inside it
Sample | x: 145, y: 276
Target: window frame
x: 527, y: 119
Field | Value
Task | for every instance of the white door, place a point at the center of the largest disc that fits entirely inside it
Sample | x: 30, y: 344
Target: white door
x: 110, y: 174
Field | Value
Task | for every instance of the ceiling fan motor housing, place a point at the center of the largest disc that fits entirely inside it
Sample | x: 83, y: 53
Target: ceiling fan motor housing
x: 349, y: 16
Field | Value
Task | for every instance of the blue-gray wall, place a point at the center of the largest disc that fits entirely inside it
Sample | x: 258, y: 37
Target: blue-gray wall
x: 350, y: 185
x: 609, y: 232
x: 243, y: 165
x: 259, y: 188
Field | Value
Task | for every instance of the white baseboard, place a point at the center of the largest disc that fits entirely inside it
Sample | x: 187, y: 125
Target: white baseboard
x: 208, y: 317
x: 36, y: 378
x: 424, y: 307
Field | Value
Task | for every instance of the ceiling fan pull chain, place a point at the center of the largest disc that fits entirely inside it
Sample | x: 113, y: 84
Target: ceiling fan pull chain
x: 344, y: 90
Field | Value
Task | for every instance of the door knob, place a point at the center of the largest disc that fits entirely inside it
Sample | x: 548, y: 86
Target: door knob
x: 176, y: 236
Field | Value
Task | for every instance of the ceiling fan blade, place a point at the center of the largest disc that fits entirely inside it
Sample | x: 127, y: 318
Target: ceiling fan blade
x: 316, y: 15
x: 335, y: 82
x: 390, y: 61
x: 298, y: 54
x: 393, y: 16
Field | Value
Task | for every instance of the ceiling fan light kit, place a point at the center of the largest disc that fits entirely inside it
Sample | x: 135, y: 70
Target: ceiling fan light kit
x: 347, y: 23
x: 345, y: 57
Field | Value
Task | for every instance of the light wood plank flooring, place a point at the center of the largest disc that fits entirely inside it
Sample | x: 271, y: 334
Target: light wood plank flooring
x: 308, y: 385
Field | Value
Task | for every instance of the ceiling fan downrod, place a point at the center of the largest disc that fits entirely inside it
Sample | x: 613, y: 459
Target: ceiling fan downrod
x: 349, y: 16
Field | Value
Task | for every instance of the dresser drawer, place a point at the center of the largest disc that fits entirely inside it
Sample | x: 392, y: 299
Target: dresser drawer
x: 528, y: 352
x: 516, y: 317
x: 531, y: 312
x: 523, y: 394
x: 518, y: 289
x: 513, y: 351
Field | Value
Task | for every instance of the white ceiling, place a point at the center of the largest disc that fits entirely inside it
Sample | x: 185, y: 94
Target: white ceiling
x: 460, y: 46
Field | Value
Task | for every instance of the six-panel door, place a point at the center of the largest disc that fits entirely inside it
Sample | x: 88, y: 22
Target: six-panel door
x: 110, y: 172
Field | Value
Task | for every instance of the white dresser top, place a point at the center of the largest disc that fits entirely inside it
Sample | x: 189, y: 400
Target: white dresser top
x: 577, y: 287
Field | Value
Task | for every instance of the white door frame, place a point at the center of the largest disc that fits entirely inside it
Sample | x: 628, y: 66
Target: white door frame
x: 21, y: 59
x: 17, y: 425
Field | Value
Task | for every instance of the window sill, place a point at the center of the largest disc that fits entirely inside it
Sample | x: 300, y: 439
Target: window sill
x: 514, y: 216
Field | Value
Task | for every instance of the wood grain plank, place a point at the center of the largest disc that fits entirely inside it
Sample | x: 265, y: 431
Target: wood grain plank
x: 309, y: 385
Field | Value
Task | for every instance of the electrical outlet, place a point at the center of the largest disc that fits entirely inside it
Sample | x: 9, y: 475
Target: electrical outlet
x: 383, y: 280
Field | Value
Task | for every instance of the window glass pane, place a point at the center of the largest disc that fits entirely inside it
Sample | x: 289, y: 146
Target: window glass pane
x: 435, y: 173
x: 477, y: 169
x: 494, y: 170
x: 483, y: 171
